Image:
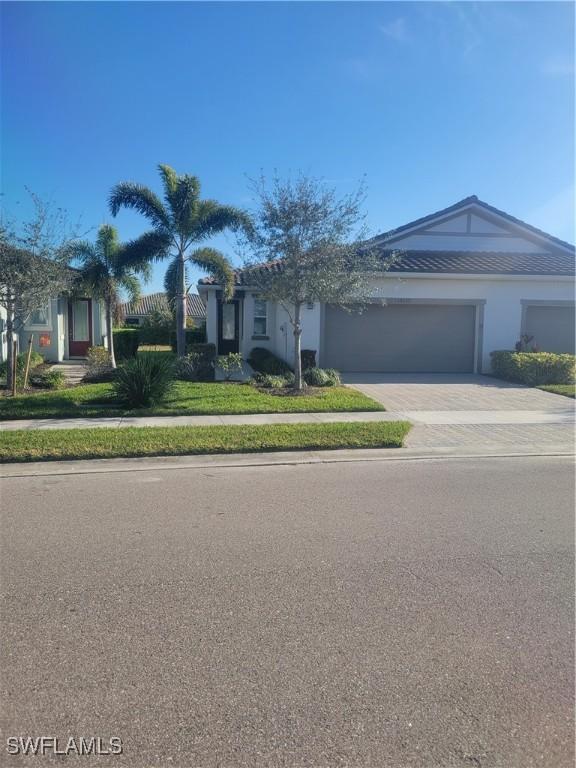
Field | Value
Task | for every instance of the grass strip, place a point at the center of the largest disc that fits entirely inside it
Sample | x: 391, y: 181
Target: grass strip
x: 106, y: 443
x: 187, y: 399
x: 568, y: 390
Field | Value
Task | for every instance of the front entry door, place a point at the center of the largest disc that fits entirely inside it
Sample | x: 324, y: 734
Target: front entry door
x: 79, y: 327
x: 228, y: 327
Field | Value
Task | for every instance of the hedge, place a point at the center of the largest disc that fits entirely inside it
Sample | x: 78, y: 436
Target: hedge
x: 193, y: 336
x: 126, y: 341
x: 264, y: 361
x: 534, y: 368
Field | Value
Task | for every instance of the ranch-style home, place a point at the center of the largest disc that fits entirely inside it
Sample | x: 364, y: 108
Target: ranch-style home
x: 62, y: 330
x: 470, y: 279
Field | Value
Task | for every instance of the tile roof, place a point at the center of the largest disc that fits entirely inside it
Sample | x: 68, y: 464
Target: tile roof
x: 456, y: 262
x: 195, y: 305
x: 466, y: 202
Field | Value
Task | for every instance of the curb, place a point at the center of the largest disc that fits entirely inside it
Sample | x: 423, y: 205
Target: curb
x: 274, y: 459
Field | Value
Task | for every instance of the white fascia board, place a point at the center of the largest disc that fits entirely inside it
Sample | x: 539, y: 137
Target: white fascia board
x: 473, y: 276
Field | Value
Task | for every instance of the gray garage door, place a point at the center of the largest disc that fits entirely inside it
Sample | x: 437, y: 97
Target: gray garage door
x: 401, y: 338
x: 552, y: 327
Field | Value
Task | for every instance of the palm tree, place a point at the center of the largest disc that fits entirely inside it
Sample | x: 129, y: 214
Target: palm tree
x: 178, y: 223
x: 106, y: 269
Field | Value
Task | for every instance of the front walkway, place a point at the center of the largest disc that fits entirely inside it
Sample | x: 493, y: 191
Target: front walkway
x: 73, y: 370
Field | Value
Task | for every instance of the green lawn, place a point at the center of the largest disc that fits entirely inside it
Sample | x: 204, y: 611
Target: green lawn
x: 568, y: 390
x: 57, y: 444
x: 187, y: 399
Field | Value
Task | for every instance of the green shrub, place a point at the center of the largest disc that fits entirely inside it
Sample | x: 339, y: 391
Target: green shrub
x: 198, y: 365
x: 264, y: 361
x: 269, y: 381
x: 98, y: 366
x: 144, y: 381
x: 48, y: 380
x: 534, y: 368
x: 321, y: 377
x: 308, y: 358
x: 35, y: 361
x: 230, y: 364
x: 126, y: 341
x: 194, y: 336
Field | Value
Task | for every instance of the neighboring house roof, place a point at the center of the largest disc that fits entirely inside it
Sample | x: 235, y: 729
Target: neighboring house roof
x: 194, y: 305
x: 467, y: 202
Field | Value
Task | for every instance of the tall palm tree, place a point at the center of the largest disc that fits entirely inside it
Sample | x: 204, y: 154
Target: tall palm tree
x: 179, y: 222
x: 107, y: 269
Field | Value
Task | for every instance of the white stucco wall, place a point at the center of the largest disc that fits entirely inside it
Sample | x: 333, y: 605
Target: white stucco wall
x: 501, y: 316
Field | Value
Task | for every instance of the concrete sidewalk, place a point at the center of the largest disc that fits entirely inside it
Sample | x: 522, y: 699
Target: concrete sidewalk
x: 452, y: 418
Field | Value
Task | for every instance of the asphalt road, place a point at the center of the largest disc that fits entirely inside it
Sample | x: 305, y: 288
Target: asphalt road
x: 390, y: 614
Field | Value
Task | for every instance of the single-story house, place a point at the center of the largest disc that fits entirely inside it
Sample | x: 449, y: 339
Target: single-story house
x: 64, y: 329
x: 135, y: 314
x: 470, y: 279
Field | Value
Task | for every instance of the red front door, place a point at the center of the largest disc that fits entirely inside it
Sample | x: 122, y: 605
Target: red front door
x: 79, y: 327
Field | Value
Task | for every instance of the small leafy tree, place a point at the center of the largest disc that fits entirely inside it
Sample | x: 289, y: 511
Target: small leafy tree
x: 230, y: 364
x: 107, y: 269
x: 179, y: 222
x: 313, y: 246
x: 33, y: 267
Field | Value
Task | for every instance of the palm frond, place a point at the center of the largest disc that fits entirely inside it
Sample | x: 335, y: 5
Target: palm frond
x: 131, y: 285
x: 213, y: 218
x: 172, y: 281
x: 107, y: 244
x: 169, y: 182
x: 80, y: 251
x: 185, y: 204
x: 141, y: 199
x: 151, y: 246
x: 217, y: 265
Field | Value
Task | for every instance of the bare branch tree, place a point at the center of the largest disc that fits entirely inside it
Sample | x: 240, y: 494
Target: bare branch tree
x: 33, y: 266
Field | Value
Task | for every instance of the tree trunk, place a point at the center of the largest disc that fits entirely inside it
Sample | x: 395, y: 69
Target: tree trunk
x: 10, y: 350
x: 110, y: 334
x: 297, y: 347
x: 181, y: 308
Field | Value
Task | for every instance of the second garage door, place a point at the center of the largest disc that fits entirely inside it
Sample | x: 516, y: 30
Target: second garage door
x: 401, y: 338
x: 552, y: 327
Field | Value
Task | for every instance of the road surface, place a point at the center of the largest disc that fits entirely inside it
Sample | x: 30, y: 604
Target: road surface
x: 393, y: 614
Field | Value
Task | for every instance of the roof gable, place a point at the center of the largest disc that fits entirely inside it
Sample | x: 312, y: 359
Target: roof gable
x: 472, y: 224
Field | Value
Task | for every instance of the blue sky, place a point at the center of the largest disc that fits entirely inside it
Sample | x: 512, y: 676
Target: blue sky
x: 432, y: 101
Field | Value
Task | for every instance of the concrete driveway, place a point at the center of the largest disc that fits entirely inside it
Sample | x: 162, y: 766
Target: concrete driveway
x: 452, y: 392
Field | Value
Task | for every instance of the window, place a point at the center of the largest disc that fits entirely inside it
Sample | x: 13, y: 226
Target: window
x: 228, y: 322
x: 260, y: 317
x: 40, y: 318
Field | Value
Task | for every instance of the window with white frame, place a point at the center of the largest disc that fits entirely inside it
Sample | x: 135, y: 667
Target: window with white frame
x: 260, y: 317
x: 40, y: 318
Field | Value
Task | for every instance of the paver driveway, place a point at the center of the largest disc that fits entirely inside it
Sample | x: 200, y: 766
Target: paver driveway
x: 466, y: 411
x: 453, y: 392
